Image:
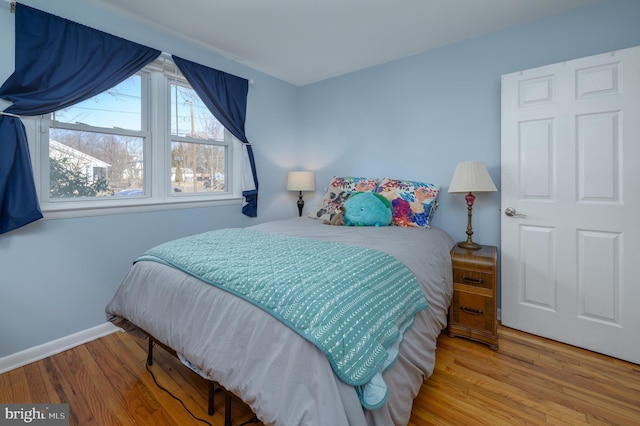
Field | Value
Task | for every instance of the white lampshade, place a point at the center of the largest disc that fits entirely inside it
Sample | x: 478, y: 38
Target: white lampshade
x: 301, y: 181
x: 471, y: 176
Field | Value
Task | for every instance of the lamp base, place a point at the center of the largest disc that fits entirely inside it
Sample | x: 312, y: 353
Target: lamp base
x: 300, y: 204
x: 469, y: 245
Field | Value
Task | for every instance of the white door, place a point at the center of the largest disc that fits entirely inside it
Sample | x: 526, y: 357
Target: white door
x: 571, y: 202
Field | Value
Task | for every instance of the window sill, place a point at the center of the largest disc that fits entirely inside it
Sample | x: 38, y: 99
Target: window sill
x: 142, y: 207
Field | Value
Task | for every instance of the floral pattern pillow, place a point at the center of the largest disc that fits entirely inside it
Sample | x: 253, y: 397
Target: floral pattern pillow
x: 412, y: 203
x: 339, y: 189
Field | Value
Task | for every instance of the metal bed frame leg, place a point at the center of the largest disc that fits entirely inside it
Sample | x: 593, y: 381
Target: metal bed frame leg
x: 150, y: 352
x: 211, y: 390
x: 227, y: 404
x: 227, y: 409
x: 227, y: 396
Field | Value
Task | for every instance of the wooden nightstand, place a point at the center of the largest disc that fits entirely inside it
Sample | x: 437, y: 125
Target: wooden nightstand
x: 472, y: 313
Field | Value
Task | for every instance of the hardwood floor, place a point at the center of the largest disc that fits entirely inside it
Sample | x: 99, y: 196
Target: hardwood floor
x: 528, y: 381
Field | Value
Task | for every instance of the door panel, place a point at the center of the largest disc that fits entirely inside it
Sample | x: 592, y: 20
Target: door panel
x: 538, y: 267
x: 570, y: 148
x: 598, y: 276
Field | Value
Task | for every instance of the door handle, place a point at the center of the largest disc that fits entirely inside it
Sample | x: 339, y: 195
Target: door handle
x: 511, y: 212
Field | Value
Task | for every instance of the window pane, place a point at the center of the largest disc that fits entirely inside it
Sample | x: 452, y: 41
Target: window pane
x: 118, y: 107
x: 197, y: 168
x: 90, y: 164
x: 190, y: 117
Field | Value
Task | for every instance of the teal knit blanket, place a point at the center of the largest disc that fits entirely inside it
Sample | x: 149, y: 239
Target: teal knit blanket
x: 353, y: 303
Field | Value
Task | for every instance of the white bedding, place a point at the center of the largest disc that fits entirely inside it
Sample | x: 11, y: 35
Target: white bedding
x: 284, y: 378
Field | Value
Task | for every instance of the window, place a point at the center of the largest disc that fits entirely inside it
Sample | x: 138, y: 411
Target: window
x: 198, y: 152
x: 149, y: 141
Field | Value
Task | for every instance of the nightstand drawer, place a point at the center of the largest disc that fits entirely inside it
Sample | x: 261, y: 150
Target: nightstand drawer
x: 472, y: 310
x: 474, y: 278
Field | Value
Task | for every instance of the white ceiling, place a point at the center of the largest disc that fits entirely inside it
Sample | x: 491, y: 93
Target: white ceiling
x: 305, y: 41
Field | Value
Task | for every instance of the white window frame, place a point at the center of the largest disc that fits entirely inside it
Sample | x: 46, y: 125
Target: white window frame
x: 157, y: 162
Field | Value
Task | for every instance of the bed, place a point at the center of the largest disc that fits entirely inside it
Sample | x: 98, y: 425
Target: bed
x: 284, y: 377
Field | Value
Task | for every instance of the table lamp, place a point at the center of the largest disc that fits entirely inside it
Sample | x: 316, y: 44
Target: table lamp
x: 470, y: 177
x: 301, y: 181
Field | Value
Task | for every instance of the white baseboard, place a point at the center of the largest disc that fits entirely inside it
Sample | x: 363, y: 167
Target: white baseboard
x: 45, y: 350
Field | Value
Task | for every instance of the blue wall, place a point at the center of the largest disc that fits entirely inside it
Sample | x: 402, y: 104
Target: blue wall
x: 414, y: 118
x: 56, y: 276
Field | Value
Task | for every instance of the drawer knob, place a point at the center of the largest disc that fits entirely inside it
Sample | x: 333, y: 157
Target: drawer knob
x: 472, y: 311
x: 473, y: 280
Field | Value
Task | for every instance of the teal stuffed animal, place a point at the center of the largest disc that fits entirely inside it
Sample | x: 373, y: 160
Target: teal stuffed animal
x: 367, y: 209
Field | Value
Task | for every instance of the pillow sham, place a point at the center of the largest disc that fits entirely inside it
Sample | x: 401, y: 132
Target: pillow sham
x: 412, y: 203
x: 339, y: 189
